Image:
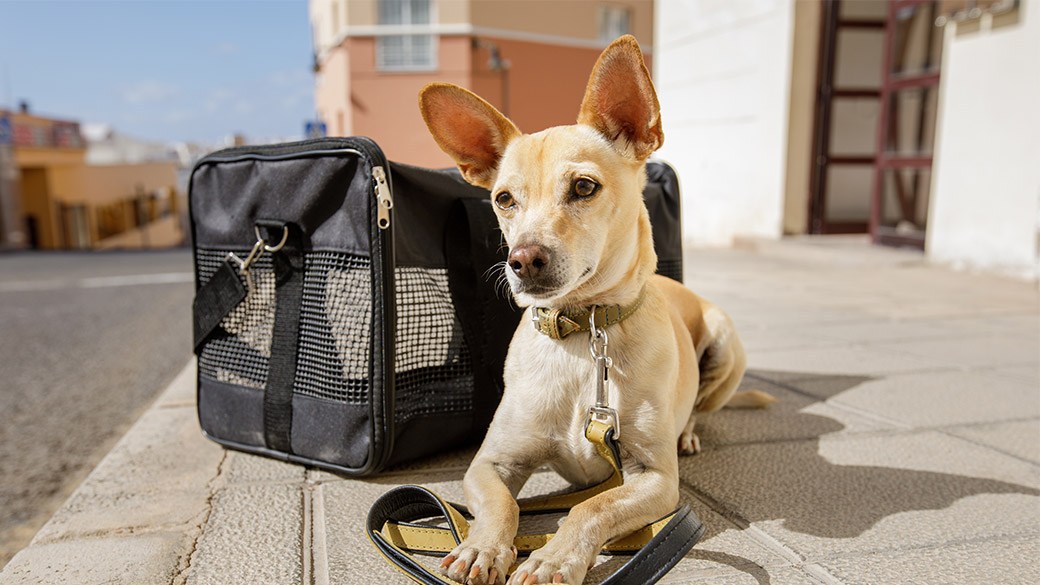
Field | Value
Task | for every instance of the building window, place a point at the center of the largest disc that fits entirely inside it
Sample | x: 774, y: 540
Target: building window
x: 614, y: 21
x: 405, y: 52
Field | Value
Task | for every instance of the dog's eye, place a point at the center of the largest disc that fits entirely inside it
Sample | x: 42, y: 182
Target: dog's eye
x: 504, y: 200
x: 585, y: 187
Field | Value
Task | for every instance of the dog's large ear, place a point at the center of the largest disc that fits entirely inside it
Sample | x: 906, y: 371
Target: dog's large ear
x: 620, y: 100
x: 468, y: 129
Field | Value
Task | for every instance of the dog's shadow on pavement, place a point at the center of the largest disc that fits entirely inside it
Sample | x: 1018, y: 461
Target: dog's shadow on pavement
x: 769, y: 466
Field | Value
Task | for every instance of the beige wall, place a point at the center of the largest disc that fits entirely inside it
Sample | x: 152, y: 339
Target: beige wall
x: 332, y: 92
x: 385, y: 105
x: 801, y: 114
x: 45, y: 189
x: 98, y: 185
x: 39, y: 157
x: 567, y: 19
x: 540, y: 96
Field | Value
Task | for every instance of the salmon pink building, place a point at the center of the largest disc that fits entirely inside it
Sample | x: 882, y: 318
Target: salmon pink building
x: 529, y: 58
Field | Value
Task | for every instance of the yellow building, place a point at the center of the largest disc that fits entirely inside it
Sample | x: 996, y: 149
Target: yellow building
x: 52, y: 199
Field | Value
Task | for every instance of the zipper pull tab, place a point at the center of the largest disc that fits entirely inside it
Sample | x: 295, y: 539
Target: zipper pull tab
x: 383, y: 197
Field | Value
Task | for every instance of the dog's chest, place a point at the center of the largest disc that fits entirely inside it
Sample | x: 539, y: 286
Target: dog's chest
x: 561, y: 386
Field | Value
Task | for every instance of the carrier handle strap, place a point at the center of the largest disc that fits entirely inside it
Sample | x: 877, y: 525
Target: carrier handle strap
x: 285, y: 335
x: 214, y: 301
x: 393, y: 530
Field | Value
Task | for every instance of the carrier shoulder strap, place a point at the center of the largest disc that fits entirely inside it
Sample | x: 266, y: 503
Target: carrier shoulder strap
x: 285, y: 337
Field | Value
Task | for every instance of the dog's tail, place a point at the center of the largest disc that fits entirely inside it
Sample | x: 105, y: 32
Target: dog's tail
x: 750, y: 399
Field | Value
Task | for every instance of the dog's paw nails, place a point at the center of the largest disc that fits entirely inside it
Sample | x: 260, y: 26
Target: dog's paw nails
x: 689, y: 444
x: 547, y: 569
x: 475, y: 564
x: 518, y: 578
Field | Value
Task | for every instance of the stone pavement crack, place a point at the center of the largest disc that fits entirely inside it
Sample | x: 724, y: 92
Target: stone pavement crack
x: 214, y: 486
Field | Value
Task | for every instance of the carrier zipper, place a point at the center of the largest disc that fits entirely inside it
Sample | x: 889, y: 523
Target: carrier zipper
x: 384, y: 199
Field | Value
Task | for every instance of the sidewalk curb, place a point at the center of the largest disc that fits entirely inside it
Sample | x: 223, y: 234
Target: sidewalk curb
x: 137, y: 515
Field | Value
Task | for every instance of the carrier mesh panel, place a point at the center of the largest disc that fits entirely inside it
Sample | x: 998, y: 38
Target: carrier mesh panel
x: 433, y: 364
x: 242, y: 357
x: 670, y: 268
x: 433, y: 367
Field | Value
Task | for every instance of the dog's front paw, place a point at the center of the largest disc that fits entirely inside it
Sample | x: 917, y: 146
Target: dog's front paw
x: 476, y: 564
x: 546, y: 567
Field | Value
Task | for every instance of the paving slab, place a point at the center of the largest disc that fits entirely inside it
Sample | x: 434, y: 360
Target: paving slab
x: 935, y: 398
x: 243, y: 468
x: 851, y: 494
x: 1027, y: 373
x: 253, y: 535
x: 794, y: 416
x: 156, y: 476
x: 841, y: 359
x: 996, y: 561
x: 973, y: 352
x: 1020, y: 438
x: 124, y: 560
x: 873, y: 331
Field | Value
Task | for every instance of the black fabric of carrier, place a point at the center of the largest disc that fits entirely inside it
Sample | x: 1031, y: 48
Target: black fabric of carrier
x: 353, y: 347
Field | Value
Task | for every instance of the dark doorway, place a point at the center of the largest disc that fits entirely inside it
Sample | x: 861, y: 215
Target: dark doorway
x: 877, y: 84
x: 852, y: 36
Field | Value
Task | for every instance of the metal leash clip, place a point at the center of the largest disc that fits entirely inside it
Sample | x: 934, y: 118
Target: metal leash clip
x: 258, y: 250
x: 602, y: 411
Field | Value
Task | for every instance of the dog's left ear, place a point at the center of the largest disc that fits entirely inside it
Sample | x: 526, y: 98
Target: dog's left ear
x: 620, y: 100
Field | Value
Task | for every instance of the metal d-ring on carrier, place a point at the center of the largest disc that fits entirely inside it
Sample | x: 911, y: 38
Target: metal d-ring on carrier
x: 256, y: 252
x: 598, y: 342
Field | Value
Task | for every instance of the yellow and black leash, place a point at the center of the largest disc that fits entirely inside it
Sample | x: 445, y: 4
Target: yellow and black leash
x: 393, y: 529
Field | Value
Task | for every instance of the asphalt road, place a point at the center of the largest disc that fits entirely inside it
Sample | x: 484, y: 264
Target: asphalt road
x: 87, y: 341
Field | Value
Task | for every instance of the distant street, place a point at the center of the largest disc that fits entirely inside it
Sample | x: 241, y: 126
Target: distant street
x: 87, y: 340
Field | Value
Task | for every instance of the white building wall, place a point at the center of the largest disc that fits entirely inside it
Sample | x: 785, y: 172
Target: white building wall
x: 722, y: 69
x: 985, y: 204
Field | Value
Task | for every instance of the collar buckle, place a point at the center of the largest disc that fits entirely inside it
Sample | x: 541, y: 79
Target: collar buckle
x: 553, y: 323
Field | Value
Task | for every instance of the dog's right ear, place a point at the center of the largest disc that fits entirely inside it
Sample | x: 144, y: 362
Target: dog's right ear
x: 468, y: 129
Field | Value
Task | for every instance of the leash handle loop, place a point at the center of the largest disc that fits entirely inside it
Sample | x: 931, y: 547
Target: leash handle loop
x: 658, y: 547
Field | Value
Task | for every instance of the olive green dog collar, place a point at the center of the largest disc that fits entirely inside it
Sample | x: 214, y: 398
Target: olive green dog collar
x: 559, y: 323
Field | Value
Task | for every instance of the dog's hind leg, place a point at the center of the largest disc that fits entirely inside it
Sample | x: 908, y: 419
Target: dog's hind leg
x: 689, y: 442
x: 722, y: 367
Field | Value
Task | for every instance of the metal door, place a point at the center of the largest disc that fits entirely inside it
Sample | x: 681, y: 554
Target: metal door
x: 852, y: 37
x: 906, y: 128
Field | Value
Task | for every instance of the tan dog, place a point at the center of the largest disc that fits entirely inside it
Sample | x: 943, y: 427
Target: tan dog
x: 569, y: 202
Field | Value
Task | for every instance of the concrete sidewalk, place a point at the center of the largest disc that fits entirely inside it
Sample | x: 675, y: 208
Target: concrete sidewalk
x: 905, y: 449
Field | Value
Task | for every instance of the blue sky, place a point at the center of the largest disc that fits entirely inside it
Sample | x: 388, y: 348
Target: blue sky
x: 167, y: 70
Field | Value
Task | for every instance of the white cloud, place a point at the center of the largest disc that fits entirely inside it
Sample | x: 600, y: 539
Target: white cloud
x: 225, y: 48
x: 146, y: 92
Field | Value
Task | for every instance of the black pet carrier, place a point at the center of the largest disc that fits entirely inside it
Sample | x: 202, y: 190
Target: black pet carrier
x: 346, y: 313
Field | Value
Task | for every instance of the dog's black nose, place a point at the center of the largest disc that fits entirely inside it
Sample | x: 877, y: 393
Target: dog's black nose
x: 528, y: 260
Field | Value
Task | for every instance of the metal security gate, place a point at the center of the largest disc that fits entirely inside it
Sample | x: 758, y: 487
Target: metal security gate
x: 906, y: 127
x: 852, y: 36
